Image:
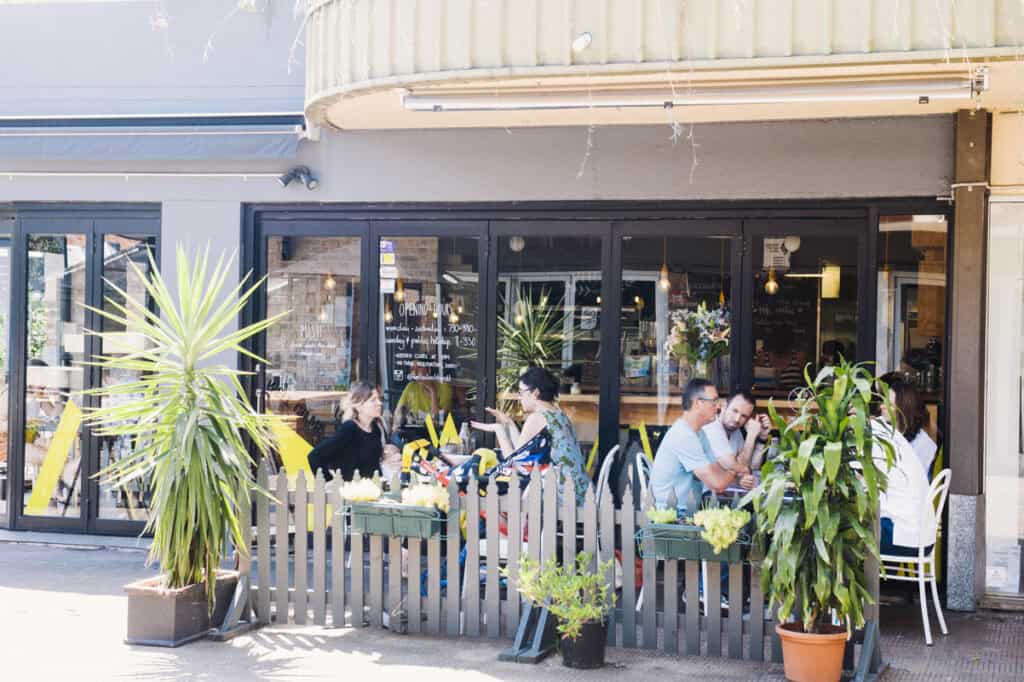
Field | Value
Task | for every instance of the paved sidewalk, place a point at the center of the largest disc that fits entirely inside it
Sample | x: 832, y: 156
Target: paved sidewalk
x: 62, y: 618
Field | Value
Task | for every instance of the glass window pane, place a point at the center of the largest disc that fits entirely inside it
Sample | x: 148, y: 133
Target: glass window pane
x: 1004, y: 403
x: 5, y: 320
x: 430, y: 332
x: 549, y: 307
x: 804, y: 308
x: 119, y: 254
x: 313, y: 352
x: 55, y: 349
x: 668, y: 284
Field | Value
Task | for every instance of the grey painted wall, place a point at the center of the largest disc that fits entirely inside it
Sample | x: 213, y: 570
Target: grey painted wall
x: 146, y: 57
x: 807, y: 159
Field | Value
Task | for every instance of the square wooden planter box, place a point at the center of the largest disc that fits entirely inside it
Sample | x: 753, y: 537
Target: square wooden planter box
x: 394, y: 520
x: 158, y: 616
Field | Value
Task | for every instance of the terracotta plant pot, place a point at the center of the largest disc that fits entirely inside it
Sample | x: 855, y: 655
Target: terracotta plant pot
x: 158, y: 616
x: 809, y: 657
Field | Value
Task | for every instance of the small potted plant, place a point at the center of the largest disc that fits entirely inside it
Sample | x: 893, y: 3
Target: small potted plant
x: 191, y: 425
x: 814, y: 511
x: 578, y: 598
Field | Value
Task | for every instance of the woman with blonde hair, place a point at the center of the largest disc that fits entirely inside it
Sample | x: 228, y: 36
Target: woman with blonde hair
x: 359, y: 443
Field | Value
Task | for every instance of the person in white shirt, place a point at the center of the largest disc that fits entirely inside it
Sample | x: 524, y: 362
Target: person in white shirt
x: 906, y: 522
x: 911, y: 418
x: 738, y: 437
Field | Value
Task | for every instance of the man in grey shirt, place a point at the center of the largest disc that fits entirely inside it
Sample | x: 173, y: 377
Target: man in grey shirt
x: 738, y: 436
x: 684, y: 463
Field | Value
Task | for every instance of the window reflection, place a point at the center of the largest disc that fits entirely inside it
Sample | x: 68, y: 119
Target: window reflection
x: 549, y: 304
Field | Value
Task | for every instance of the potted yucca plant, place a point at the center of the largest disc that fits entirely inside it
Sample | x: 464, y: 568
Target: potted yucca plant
x: 814, y: 511
x: 191, y: 425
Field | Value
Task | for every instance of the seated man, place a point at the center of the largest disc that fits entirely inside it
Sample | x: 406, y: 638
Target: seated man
x: 684, y: 463
x: 729, y: 444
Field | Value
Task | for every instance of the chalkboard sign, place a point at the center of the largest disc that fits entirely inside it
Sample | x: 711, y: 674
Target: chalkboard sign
x: 788, y: 320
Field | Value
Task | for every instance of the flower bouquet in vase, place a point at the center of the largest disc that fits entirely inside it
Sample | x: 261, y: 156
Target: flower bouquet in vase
x: 697, y: 338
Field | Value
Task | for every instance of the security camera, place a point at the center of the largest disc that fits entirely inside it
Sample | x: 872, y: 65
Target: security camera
x: 302, y: 174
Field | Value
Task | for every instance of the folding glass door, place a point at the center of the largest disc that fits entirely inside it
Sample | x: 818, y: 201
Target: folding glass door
x: 62, y: 267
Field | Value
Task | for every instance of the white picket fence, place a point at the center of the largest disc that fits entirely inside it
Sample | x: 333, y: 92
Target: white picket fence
x: 349, y: 579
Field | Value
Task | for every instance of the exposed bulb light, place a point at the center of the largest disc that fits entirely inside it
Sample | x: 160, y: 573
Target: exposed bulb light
x: 520, y: 318
x: 461, y: 307
x: 771, y: 287
x: 388, y: 317
x: 663, y: 281
x: 453, y: 317
x: 330, y: 283
x: 399, y: 290
x: 599, y: 300
x: 323, y: 315
x: 516, y: 244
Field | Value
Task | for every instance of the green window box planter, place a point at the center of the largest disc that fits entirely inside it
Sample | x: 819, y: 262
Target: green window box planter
x: 683, y: 541
x: 394, y: 520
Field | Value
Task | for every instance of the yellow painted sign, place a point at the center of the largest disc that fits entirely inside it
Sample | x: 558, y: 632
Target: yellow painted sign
x: 56, y: 458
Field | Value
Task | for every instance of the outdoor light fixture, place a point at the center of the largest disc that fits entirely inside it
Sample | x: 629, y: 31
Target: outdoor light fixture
x: 516, y: 244
x: 302, y: 174
x: 921, y: 91
x: 582, y: 42
x: 399, y: 290
x: 771, y: 287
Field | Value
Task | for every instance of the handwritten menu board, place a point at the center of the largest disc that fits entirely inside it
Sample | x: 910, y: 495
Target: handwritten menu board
x: 788, y: 320
x: 430, y: 340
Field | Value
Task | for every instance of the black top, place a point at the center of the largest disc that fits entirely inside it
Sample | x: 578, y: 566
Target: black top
x: 348, y: 450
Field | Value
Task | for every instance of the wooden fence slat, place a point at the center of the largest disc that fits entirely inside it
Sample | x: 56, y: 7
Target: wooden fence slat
x: 263, y: 548
x: 606, y: 530
x: 319, y: 551
x: 590, y: 527
x: 713, y: 607
x: 756, y: 614
x: 471, y: 579
x: 533, y: 510
x: 549, y: 524
x: 358, y: 588
x: 629, y: 592
x: 671, y: 609
x: 735, y: 624
x: 414, y: 593
x: 301, y: 561
x: 776, y: 642
x: 377, y: 580
x: 650, y: 568
x: 434, y: 585
x: 453, y: 572
x: 692, y: 569
x: 281, y: 551
x: 338, y: 535
x: 394, y: 581
x: 515, y: 546
x: 569, y: 521
x: 493, y: 590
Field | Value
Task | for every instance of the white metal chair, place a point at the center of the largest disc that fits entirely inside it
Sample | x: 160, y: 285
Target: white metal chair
x: 921, y: 569
x: 604, y: 473
x: 643, y: 473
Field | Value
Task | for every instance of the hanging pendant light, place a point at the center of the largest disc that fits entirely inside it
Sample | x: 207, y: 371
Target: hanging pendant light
x: 399, y: 290
x: 453, y: 316
x: 388, y: 317
x: 330, y: 283
x: 663, y: 280
x: 771, y: 287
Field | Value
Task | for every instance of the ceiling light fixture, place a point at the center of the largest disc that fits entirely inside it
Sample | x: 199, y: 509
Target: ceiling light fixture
x: 663, y: 280
x: 922, y: 91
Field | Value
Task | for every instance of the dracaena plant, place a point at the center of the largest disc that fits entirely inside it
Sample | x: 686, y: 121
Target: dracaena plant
x: 186, y: 414
x: 817, y: 500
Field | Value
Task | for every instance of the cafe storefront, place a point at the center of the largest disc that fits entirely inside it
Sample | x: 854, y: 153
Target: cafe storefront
x: 433, y: 304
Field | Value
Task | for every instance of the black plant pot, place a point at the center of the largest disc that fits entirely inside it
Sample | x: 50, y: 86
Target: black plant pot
x: 587, y: 650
